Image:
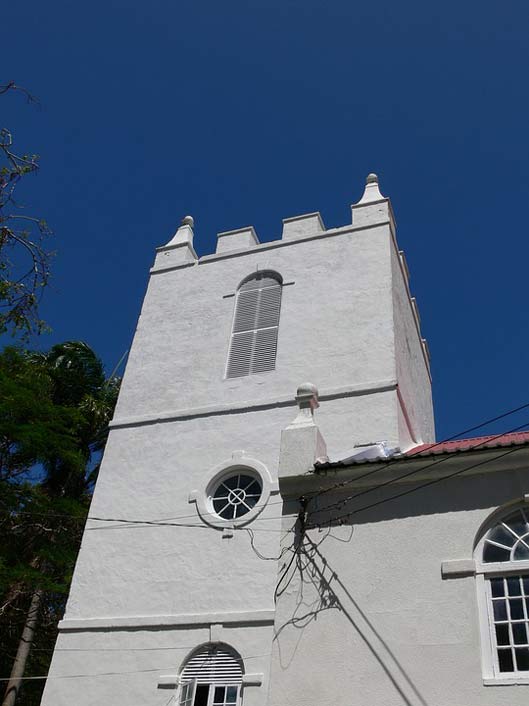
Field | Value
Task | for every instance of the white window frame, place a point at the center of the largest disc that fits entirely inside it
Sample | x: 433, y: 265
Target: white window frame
x: 239, y: 463
x: 484, y: 572
x: 211, y: 694
x: 213, y: 676
x: 230, y: 504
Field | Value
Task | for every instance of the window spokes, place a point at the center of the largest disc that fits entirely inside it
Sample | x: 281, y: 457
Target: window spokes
x: 508, y: 540
x: 521, y: 552
x: 237, y: 495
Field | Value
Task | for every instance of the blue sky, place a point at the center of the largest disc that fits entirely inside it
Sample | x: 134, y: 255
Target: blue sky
x: 249, y: 112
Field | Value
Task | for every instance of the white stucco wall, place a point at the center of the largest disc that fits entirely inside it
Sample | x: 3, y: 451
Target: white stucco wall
x: 177, y: 418
x: 413, y: 374
x: 370, y: 620
x: 126, y: 666
x: 336, y: 324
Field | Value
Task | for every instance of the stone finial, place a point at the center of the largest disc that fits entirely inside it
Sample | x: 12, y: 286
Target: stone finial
x: 307, y: 399
x: 302, y: 445
x: 373, y: 207
x: 372, y: 191
x: 184, y: 234
x: 179, y: 250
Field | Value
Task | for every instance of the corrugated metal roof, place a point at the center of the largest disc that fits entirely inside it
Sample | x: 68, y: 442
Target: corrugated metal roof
x: 478, y: 442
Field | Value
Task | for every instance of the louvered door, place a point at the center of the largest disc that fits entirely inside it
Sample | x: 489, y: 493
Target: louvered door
x: 253, y: 345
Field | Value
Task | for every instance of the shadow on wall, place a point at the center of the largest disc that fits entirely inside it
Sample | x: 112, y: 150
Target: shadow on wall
x: 314, y: 571
x: 313, y: 587
x: 361, y: 505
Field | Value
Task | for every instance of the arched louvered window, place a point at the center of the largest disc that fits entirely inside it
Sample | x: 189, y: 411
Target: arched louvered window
x: 212, y: 676
x: 503, y: 576
x: 253, y: 344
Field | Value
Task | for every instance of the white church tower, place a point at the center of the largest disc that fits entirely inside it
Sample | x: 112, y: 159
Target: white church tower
x: 172, y: 599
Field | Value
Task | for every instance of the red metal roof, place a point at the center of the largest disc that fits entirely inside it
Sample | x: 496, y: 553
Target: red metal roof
x: 478, y: 442
x: 493, y: 441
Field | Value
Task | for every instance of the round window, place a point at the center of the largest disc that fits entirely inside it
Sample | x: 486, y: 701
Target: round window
x: 236, y: 495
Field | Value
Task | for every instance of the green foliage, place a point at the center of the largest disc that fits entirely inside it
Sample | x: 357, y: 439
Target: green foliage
x: 33, y: 429
x: 54, y: 413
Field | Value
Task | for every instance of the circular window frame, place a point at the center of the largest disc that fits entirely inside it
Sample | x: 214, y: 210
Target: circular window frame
x: 238, y: 472
x: 239, y: 463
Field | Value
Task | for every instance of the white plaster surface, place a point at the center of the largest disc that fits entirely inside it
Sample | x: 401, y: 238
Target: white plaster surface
x: 147, y: 474
x: 236, y: 239
x: 336, y: 328
x: 415, y: 394
x: 301, y: 226
x: 125, y: 667
x: 137, y: 583
x: 374, y: 621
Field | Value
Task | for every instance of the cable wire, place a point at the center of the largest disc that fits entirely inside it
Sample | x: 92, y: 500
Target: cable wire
x: 412, y: 454
x: 322, y: 492
x: 371, y: 489
x: 413, y: 490
x: 174, y: 521
x: 112, y: 674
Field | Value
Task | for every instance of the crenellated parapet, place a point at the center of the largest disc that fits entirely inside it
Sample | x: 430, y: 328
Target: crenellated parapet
x: 372, y: 211
x: 238, y: 239
x: 303, y: 226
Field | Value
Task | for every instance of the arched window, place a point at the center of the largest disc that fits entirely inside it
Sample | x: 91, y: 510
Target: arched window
x: 503, y: 582
x: 253, y: 344
x: 212, y: 676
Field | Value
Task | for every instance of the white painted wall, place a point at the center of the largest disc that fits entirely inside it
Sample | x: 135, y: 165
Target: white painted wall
x: 413, y: 374
x: 336, y: 324
x: 130, y: 663
x: 369, y: 618
x: 177, y: 418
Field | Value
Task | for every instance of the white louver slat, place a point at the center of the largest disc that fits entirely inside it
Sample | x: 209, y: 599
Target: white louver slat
x: 217, y: 666
x: 264, y: 354
x: 245, y: 314
x: 269, y: 305
x: 253, y: 345
x: 240, y: 358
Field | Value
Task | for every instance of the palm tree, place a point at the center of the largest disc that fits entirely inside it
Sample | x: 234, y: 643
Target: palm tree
x: 79, y: 383
x: 67, y: 403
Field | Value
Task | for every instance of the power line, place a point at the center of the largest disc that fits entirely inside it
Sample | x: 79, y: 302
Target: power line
x: 105, y: 649
x: 486, y: 440
x: 413, y: 490
x: 262, y: 556
x: 278, y: 588
x: 406, y: 475
x: 174, y: 521
x: 420, y: 450
x: 158, y: 523
x: 152, y: 523
x: 112, y: 674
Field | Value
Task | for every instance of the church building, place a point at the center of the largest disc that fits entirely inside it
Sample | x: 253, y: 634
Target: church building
x: 274, y: 523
